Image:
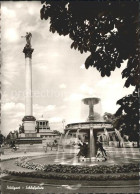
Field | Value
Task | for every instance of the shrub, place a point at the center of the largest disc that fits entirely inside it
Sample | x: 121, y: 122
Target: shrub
x: 87, y: 177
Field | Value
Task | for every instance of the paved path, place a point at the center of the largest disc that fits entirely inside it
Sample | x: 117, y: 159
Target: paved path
x: 41, y: 188
x: 9, y: 158
x: 8, y: 154
x: 115, y: 156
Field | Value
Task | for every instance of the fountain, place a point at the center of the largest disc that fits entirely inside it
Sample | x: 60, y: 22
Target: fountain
x: 91, y: 129
x: 91, y: 102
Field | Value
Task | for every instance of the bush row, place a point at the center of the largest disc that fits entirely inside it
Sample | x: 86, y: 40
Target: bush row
x: 99, y: 169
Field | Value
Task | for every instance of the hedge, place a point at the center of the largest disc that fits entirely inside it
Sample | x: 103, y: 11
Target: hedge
x: 87, y: 177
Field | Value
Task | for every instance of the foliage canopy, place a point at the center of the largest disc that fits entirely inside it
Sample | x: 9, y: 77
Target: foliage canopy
x: 109, y: 31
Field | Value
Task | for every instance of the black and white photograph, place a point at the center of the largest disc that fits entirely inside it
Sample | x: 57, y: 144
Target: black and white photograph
x: 69, y: 88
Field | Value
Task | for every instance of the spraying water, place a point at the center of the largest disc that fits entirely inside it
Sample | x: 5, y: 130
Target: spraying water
x: 122, y: 144
x: 64, y: 146
x: 76, y: 143
x: 60, y: 143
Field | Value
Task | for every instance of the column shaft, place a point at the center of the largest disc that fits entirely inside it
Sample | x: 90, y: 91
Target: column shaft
x: 92, y: 144
x: 28, y: 87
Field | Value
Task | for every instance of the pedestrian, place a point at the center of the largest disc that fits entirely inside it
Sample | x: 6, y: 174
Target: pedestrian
x: 46, y: 148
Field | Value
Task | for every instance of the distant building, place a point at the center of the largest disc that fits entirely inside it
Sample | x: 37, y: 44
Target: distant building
x: 43, y: 129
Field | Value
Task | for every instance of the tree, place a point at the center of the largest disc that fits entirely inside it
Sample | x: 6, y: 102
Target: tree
x: 109, y: 31
x: 108, y: 117
x: 128, y: 116
x: 21, y: 128
x: 57, y: 132
x: 16, y: 132
x: 126, y: 120
x: 1, y: 138
x: 12, y: 136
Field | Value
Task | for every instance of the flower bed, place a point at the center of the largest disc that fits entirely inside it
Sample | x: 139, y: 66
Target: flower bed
x: 23, y: 162
x: 74, y: 169
x: 76, y: 172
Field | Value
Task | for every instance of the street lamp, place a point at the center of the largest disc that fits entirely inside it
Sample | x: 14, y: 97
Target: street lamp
x: 63, y: 121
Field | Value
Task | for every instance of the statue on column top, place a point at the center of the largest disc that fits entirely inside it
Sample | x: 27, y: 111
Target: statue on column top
x: 28, y: 38
x: 28, y: 49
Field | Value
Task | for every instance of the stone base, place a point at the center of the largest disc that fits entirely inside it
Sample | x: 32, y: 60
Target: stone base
x: 21, y: 135
x: 28, y: 135
x: 93, y: 159
x: 30, y: 140
x: 83, y: 159
x: 38, y: 135
x: 29, y: 126
x: 91, y: 118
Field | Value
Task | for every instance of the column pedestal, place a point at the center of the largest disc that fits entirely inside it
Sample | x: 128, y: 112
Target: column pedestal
x: 29, y: 126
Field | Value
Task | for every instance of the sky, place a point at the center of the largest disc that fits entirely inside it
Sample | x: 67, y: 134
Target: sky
x: 60, y: 80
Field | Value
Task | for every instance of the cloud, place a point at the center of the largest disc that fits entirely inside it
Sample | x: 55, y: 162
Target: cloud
x: 82, y: 66
x: 8, y: 12
x: 55, y: 54
x: 74, y: 97
x: 62, y: 86
x: 55, y: 119
x: 63, y: 107
x: 109, y: 105
x: 11, y: 35
x: 12, y: 114
x: 11, y: 106
x: 50, y: 107
x: 40, y: 109
x: 31, y: 11
x: 104, y: 82
x: 87, y: 90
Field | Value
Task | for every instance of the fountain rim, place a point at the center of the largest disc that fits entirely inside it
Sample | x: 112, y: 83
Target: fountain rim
x: 90, y: 122
x: 91, y: 98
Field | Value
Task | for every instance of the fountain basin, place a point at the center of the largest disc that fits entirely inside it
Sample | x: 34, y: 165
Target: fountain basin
x: 97, y: 126
x: 88, y: 132
x: 91, y: 101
